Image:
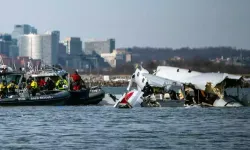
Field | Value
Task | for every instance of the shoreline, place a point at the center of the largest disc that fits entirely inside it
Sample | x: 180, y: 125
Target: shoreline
x: 106, y: 80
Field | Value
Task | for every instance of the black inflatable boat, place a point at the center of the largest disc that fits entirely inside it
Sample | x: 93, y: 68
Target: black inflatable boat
x: 41, y: 99
x: 90, y: 96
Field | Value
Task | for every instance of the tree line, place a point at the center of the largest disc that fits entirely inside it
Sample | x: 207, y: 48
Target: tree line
x: 140, y: 54
x: 196, y: 64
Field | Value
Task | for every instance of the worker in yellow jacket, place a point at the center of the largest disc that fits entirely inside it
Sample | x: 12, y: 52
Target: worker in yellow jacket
x: 3, y: 89
x: 61, y: 84
x: 12, y: 87
x: 33, y: 86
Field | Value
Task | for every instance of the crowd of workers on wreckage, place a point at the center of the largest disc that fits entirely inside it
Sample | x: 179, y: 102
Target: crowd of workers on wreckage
x: 187, y: 93
x: 34, y: 85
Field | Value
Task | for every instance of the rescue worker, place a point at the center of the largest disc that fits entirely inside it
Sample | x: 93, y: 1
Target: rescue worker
x: 61, y: 84
x: 12, y: 87
x: 148, y: 90
x: 29, y: 80
x: 50, y: 85
x: 180, y: 95
x: 3, y: 89
x: 173, y: 95
x: 148, y: 95
x: 189, y: 98
x: 23, y: 83
x: 34, y: 87
x: 76, y: 78
x: 41, y: 83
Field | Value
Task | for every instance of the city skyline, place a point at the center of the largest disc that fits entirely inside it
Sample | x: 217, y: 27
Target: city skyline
x: 171, y: 23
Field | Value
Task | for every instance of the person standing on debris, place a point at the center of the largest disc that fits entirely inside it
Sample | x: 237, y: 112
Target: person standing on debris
x: 189, y: 98
x: 148, y: 90
x: 149, y: 97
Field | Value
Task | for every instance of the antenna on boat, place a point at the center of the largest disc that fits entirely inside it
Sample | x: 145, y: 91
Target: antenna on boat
x: 30, y: 65
x: 1, y: 60
x: 13, y: 64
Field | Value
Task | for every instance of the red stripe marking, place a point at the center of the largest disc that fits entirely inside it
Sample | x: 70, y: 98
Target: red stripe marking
x: 127, y: 96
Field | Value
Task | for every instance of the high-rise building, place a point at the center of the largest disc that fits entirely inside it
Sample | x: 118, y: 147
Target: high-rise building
x: 5, y: 37
x: 5, y: 47
x: 13, y: 51
x: 62, y: 54
x: 55, y: 38
x: 5, y: 43
x: 62, y: 49
x: 44, y: 46
x: 73, y: 45
x: 100, y: 46
x: 22, y: 30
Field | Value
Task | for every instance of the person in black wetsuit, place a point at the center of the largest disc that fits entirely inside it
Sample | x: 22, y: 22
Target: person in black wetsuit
x: 29, y: 80
x: 189, y: 98
x: 50, y: 84
x: 173, y: 95
x: 148, y: 90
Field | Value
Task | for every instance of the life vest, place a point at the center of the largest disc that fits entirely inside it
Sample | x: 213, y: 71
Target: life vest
x: 42, y: 83
x: 12, y: 87
x: 76, y: 77
x: 61, y: 83
x: 33, y: 84
x: 2, y: 87
x: 76, y: 87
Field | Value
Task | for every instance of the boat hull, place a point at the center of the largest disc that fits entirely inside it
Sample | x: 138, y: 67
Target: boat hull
x: 85, y: 97
x: 54, y: 99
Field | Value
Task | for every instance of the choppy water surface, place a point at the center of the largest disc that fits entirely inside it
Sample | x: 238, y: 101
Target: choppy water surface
x: 104, y: 127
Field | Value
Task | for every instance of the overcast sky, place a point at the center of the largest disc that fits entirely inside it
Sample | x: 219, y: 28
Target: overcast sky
x: 155, y: 23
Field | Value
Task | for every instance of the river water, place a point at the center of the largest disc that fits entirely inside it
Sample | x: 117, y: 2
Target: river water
x: 104, y: 127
